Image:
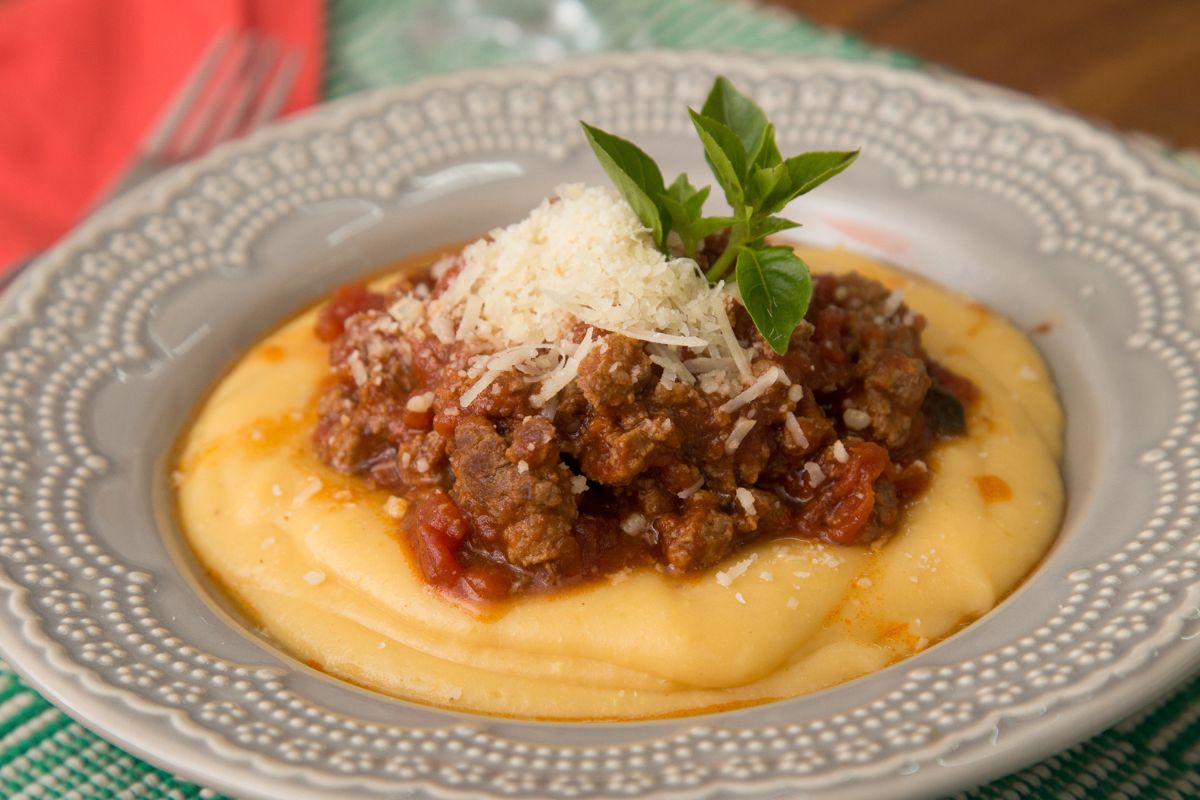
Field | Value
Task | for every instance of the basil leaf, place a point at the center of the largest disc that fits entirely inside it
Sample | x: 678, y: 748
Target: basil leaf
x: 726, y: 156
x: 685, y: 204
x: 776, y: 288
x: 810, y: 170
x: 710, y: 225
x: 678, y: 214
x: 766, y: 180
x: 636, y: 177
x: 762, y: 228
x: 739, y: 113
x: 806, y: 172
x: 766, y: 154
x: 691, y: 230
x: 688, y: 196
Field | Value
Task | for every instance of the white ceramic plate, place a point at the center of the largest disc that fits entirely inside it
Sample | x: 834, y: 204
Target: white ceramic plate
x: 109, y: 342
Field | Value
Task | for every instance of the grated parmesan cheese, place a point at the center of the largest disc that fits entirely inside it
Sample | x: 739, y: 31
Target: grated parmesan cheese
x: 666, y: 359
x: 701, y: 365
x: 731, y: 342
x: 892, y: 304
x: 726, y: 577
x: 583, y: 256
x: 792, y: 426
x: 442, y: 328
x: 312, y: 485
x: 816, y: 475
x: 755, y: 390
x: 559, y: 380
x: 741, y: 429
x: 394, y: 507
x: 358, y: 370
x: 691, y: 490
x: 517, y: 296
x: 839, y: 452
x: 746, y: 499
x: 470, y: 317
x: 634, y: 524
x: 420, y: 403
x: 856, y: 419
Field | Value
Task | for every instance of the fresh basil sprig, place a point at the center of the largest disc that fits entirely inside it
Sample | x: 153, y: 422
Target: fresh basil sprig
x: 739, y: 145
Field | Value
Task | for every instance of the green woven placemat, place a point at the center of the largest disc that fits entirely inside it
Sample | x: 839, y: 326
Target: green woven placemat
x: 43, y: 753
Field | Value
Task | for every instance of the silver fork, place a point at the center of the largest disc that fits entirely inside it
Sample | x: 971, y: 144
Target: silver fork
x: 241, y: 82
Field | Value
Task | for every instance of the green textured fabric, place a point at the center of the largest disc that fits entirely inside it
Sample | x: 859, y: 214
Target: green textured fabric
x: 43, y: 753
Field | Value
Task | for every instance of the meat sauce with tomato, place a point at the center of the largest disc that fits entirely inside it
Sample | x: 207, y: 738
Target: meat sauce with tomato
x: 626, y: 469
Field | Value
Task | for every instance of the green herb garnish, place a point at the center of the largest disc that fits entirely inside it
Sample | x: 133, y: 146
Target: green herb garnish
x: 739, y: 145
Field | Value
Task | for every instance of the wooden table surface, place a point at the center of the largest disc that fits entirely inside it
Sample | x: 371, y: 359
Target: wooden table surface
x: 1132, y: 63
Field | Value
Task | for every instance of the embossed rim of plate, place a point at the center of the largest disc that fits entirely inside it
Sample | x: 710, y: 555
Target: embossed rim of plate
x: 1091, y: 203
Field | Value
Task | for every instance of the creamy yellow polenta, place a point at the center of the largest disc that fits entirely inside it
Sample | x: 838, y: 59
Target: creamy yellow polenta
x: 315, y: 557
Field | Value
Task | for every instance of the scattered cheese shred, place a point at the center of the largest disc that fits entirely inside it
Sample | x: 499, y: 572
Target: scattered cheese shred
x: 420, y: 403
x: 394, y: 507
x: 731, y: 343
x: 856, y: 419
x: 358, y: 370
x: 745, y: 498
x: 700, y: 365
x: 566, y: 373
x: 470, y: 317
x: 741, y: 429
x: 792, y: 426
x: 892, y: 304
x: 667, y: 360
x: 312, y: 485
x: 755, y: 390
x: 634, y: 524
x: 726, y: 577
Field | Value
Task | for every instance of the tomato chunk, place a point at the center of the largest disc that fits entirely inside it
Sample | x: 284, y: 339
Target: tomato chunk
x: 347, y: 301
x: 842, y: 504
x: 435, y: 529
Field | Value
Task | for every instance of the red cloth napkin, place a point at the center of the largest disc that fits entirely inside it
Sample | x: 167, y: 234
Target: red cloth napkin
x: 81, y: 81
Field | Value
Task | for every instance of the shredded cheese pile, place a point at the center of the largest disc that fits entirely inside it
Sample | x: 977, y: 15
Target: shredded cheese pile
x: 583, y: 256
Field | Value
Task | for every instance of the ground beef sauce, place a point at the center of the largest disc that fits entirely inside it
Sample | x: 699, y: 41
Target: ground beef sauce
x: 503, y: 499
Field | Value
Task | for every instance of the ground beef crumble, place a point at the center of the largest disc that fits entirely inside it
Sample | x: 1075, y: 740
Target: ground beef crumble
x: 505, y: 498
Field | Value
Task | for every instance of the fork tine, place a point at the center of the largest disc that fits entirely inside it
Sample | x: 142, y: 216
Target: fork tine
x: 177, y: 111
x: 262, y: 60
x: 276, y: 94
x: 210, y: 106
